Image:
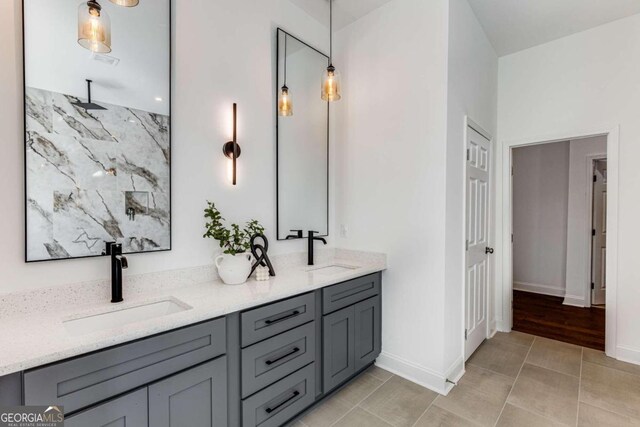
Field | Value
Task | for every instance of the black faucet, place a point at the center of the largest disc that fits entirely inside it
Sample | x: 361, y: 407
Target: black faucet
x: 311, y: 239
x: 298, y: 235
x: 118, y: 263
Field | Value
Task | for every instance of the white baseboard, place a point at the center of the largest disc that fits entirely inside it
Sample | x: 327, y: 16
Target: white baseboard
x: 536, y: 288
x: 415, y: 373
x: 574, y: 300
x: 629, y: 355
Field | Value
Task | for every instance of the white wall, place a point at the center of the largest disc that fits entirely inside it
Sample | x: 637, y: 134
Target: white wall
x: 578, y: 277
x: 218, y: 59
x: 390, y: 130
x: 472, y: 92
x: 540, y: 213
x: 585, y: 82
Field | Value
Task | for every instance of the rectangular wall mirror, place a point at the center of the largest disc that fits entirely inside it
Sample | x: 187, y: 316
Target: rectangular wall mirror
x: 97, y: 126
x: 302, y: 139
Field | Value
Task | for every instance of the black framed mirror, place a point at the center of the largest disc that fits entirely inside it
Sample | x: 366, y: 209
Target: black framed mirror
x: 97, y: 99
x: 302, y: 122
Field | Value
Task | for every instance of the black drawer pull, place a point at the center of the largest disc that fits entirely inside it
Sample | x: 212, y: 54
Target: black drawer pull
x: 280, y: 319
x: 293, y: 396
x: 294, y: 351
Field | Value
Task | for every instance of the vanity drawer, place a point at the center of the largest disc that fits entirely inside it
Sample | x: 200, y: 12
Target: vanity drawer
x: 275, y: 405
x: 264, y: 322
x: 348, y: 293
x: 85, y: 380
x: 270, y: 360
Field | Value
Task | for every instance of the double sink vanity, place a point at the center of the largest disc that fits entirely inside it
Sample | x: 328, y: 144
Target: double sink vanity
x: 198, y: 354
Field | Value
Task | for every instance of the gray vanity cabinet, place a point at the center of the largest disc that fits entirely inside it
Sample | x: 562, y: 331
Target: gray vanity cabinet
x: 351, y: 336
x: 196, y: 397
x: 129, y: 410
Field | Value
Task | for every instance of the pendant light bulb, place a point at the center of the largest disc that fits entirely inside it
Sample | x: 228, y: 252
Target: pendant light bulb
x: 94, y: 27
x: 126, y: 3
x: 330, y: 89
x: 285, y: 106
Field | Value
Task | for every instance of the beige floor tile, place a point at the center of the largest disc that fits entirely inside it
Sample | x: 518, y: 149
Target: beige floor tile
x: 547, y: 393
x: 598, y: 357
x: 327, y: 413
x: 357, y: 390
x: 514, y: 337
x: 610, y: 389
x: 379, y: 373
x: 513, y: 416
x: 399, y: 402
x: 500, y: 356
x: 590, y: 416
x: 358, y: 417
x: 438, y: 417
x: 480, y: 396
x: 556, y: 355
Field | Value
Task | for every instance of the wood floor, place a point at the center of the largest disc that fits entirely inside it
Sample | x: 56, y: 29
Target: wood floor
x: 546, y: 316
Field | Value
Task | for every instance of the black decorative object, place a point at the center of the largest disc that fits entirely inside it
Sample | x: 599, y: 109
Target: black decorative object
x: 259, y: 252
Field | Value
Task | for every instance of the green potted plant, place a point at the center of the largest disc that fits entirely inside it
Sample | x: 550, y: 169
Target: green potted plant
x: 234, y: 265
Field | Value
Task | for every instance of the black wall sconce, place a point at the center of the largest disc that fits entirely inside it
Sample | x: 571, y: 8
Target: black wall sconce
x: 231, y: 149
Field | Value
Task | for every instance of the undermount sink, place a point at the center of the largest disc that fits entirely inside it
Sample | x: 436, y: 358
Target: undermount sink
x: 332, y: 269
x: 118, y: 318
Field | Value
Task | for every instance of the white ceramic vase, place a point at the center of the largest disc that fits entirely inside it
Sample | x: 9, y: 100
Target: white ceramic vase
x: 234, y: 269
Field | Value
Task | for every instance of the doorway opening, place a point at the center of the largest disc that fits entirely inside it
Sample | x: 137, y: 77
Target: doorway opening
x: 558, y: 239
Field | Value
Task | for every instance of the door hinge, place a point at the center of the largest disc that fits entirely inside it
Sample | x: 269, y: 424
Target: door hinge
x: 593, y: 232
x: 511, y: 237
x: 468, y: 154
x: 465, y: 334
x: 466, y: 245
x: 593, y: 286
x: 595, y: 178
x: 511, y: 170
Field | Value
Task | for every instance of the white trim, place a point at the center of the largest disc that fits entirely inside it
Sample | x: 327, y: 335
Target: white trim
x: 628, y: 355
x: 574, y: 300
x: 415, y: 373
x: 536, y: 288
x: 506, y: 282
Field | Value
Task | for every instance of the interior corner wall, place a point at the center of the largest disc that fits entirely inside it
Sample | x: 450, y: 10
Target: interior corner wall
x: 540, y: 215
x: 578, y: 279
x: 582, y: 83
x: 390, y: 130
x: 472, y: 91
x: 223, y: 52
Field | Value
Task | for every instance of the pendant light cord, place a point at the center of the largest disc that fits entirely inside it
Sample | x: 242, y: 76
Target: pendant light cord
x: 330, y: 32
x: 285, y: 59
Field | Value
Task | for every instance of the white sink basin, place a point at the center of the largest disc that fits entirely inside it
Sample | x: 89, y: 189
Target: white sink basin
x: 118, y: 318
x: 332, y: 269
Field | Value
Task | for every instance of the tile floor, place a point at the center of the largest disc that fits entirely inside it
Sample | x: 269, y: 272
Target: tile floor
x: 512, y: 380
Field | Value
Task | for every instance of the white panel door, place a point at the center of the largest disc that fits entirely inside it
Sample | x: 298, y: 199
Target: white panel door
x: 477, y: 239
x: 599, y: 233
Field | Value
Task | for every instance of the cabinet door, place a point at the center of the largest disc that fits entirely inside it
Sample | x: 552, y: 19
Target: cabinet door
x: 129, y: 410
x: 195, y: 398
x: 368, y: 331
x: 338, y: 347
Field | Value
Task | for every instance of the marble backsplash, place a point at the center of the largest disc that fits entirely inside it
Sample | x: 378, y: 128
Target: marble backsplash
x: 94, y: 176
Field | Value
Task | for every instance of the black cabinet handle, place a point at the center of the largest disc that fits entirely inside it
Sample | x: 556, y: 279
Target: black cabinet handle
x: 293, y: 396
x: 280, y: 319
x: 271, y: 362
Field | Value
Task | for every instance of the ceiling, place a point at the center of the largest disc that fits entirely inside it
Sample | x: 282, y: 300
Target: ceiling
x: 345, y: 12
x: 514, y: 25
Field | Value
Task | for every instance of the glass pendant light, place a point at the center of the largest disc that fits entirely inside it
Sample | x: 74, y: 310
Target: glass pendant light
x: 126, y: 3
x: 94, y: 27
x: 331, y: 77
x: 285, y: 106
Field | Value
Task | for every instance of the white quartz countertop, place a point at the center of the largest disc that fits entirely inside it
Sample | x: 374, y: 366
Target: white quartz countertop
x: 34, y: 334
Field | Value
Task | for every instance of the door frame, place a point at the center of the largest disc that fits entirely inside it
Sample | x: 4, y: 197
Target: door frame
x: 504, y: 290
x: 469, y: 123
x: 591, y: 159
